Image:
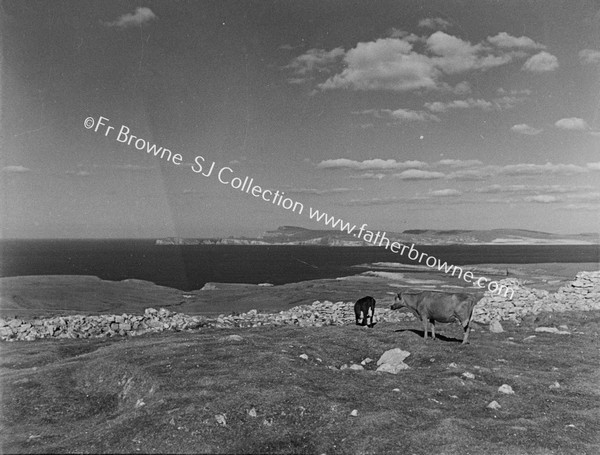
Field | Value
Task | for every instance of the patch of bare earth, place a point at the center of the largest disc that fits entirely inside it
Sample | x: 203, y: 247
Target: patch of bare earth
x: 205, y: 391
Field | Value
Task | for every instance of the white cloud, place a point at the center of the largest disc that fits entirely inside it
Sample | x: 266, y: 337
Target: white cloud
x: 405, y: 62
x: 435, y: 23
x: 523, y: 128
x: 448, y: 192
x: 531, y: 189
x: 541, y: 63
x: 470, y: 103
x: 373, y: 164
x: 590, y: 56
x: 368, y: 175
x: 543, y: 199
x: 460, y: 163
x: 315, y: 60
x: 540, y: 169
x: 142, y: 15
x: 400, y: 115
x: 593, y: 166
x: 572, y: 123
x: 15, y: 169
x: 506, y: 41
x: 418, y: 174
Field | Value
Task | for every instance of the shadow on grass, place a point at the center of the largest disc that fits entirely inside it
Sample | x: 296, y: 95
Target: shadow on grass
x: 421, y: 333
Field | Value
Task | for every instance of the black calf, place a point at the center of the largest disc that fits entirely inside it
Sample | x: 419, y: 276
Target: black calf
x: 362, y: 306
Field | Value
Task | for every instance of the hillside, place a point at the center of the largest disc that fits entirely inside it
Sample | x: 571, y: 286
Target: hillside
x: 293, y: 235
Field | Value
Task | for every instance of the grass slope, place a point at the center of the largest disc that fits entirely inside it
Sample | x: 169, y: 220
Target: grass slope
x: 163, y: 393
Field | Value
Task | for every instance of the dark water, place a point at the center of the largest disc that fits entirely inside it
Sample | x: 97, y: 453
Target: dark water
x: 190, y: 267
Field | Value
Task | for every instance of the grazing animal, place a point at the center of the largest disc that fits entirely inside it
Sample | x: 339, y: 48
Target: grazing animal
x: 431, y: 306
x: 363, y: 306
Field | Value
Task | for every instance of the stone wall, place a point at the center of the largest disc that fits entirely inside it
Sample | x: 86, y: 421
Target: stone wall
x: 582, y: 294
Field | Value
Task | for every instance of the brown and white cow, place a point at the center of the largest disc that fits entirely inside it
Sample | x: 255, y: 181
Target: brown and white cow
x: 432, y: 306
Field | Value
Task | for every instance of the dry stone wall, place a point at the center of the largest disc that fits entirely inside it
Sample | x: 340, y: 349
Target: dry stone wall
x: 581, y: 295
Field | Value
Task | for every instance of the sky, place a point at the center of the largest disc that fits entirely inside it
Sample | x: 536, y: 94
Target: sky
x: 399, y: 114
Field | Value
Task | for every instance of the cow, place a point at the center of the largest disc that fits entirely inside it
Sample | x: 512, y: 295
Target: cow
x: 363, y: 306
x: 432, y: 306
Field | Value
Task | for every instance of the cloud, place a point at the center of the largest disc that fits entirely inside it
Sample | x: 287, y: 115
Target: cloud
x: 506, y: 41
x: 318, y: 192
x: 572, y: 123
x: 470, y: 103
x: 400, y: 115
x: 418, y: 174
x: 523, y: 128
x: 142, y: 15
x: 589, y: 56
x: 405, y: 62
x: 540, y: 169
x: 435, y: 23
x: 373, y: 164
x: 368, y: 175
x: 79, y: 173
x: 132, y: 167
x: 15, y: 169
x: 474, y: 174
x: 314, y: 60
x: 543, y: 199
x: 531, y: 189
x: 448, y: 192
x: 459, y: 163
x: 593, y: 166
x: 541, y: 63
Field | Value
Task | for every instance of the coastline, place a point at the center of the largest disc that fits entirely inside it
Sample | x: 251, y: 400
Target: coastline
x: 36, y: 296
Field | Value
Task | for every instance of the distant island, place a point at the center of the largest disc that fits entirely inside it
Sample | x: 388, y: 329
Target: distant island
x: 294, y: 235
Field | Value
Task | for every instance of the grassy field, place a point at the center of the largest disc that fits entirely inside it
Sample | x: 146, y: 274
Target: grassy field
x: 206, y: 391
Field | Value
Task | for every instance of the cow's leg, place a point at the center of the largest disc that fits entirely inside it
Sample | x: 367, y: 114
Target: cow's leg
x: 425, y: 327
x: 357, y: 314
x: 432, y: 328
x: 372, y: 314
x: 467, y: 329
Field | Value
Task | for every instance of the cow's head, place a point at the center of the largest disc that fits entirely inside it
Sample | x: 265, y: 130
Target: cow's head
x: 398, y: 303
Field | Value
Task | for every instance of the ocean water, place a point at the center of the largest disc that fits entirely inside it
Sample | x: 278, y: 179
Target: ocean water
x: 189, y: 267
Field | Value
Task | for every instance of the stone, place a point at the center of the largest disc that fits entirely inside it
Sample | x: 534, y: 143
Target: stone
x: 356, y: 367
x: 506, y: 389
x: 393, y: 369
x: 494, y: 405
x: 393, y: 356
x: 496, y: 327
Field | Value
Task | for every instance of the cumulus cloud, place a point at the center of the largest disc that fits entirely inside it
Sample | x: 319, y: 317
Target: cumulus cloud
x: 15, y: 169
x: 368, y: 175
x: 541, y: 63
x: 403, y: 62
x: 373, y: 164
x: 505, y: 102
x: 400, y: 115
x: 506, y: 41
x: 435, y: 23
x: 418, y: 174
x: 523, y: 128
x: 572, y: 123
x: 589, y: 56
x: 142, y: 15
x: 593, y: 166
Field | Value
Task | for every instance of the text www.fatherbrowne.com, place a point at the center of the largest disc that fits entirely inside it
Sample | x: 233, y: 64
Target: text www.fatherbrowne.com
x: 380, y: 239
x: 225, y: 175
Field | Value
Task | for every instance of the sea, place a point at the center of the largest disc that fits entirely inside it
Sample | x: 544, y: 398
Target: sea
x: 189, y: 267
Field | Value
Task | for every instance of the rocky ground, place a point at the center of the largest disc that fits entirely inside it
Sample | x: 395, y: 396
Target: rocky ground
x: 582, y: 294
